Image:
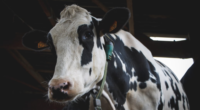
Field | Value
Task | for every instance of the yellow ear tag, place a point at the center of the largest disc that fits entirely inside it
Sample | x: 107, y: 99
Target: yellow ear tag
x: 113, y: 26
x: 42, y: 44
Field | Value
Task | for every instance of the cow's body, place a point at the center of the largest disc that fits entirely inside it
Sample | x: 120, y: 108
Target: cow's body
x: 140, y: 81
x: 135, y: 81
x: 156, y: 89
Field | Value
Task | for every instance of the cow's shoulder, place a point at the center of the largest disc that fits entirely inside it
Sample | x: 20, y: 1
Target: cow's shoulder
x: 131, y: 69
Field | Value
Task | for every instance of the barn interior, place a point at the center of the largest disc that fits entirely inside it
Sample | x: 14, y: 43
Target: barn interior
x: 25, y: 73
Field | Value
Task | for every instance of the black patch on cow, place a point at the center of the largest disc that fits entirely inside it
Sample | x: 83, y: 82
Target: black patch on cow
x: 96, y: 25
x: 81, y: 104
x: 86, y: 36
x: 153, y: 71
x: 142, y: 85
x: 187, y: 102
x: 160, y: 106
x: 173, y: 104
x: 183, y: 101
x: 164, y: 71
x: 153, y: 80
x: 165, y: 74
x: 118, y: 79
x: 133, y: 85
x: 174, y: 101
x: 140, y: 64
x: 166, y: 84
x: 119, y: 107
x: 50, y: 43
x: 90, y: 71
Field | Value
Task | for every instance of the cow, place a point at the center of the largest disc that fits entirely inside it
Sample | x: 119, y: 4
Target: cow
x: 189, y: 81
x: 135, y: 81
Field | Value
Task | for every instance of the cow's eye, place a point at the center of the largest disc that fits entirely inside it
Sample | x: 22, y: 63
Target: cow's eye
x: 87, y: 35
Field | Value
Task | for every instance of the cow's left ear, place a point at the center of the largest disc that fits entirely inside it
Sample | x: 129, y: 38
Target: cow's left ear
x: 114, y: 20
x: 35, y: 40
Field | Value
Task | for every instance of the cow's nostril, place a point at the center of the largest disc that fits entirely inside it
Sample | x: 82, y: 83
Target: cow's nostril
x: 66, y: 87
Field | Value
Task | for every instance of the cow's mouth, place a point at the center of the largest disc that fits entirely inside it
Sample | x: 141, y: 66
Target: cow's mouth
x: 59, y: 95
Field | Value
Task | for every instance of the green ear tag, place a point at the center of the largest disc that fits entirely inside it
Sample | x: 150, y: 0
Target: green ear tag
x: 109, y: 49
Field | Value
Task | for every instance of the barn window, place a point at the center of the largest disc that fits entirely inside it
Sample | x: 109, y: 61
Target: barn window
x: 178, y: 65
x: 167, y: 39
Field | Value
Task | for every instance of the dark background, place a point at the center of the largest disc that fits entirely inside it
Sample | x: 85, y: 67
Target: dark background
x: 25, y: 73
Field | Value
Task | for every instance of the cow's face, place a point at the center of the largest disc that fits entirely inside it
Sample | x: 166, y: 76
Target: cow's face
x: 79, y: 49
x: 80, y: 60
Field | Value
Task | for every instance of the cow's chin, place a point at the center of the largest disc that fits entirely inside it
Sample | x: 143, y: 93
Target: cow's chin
x: 72, y: 95
x: 61, y: 97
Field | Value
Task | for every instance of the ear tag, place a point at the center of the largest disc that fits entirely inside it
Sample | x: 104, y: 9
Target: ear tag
x: 113, y: 26
x: 42, y: 44
x: 109, y: 50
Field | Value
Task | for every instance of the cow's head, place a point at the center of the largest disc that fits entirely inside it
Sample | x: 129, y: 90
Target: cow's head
x: 76, y: 41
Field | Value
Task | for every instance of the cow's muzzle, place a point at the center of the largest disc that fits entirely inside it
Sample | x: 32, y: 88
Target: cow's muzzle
x: 60, y: 91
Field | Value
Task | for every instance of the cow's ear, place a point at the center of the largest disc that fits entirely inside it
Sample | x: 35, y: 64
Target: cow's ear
x: 36, y: 40
x: 114, y: 20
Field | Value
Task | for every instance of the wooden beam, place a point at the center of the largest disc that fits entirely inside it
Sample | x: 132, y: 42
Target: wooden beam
x: 16, y: 43
x: 27, y: 66
x: 49, y: 15
x: 46, y: 71
x: 99, y: 4
x: 181, y: 49
x: 131, y: 20
x: 26, y: 84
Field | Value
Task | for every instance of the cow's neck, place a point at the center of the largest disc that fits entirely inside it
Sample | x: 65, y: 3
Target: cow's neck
x: 108, y: 47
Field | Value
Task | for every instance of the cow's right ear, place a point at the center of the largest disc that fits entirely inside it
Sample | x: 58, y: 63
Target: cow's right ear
x: 114, y: 20
x: 36, y: 40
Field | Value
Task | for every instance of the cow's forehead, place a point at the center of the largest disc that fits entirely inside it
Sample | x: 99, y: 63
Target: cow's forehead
x: 71, y: 18
x: 74, y: 15
x: 70, y: 12
x: 68, y: 28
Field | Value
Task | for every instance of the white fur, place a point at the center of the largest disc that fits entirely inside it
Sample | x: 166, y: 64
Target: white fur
x: 115, y: 64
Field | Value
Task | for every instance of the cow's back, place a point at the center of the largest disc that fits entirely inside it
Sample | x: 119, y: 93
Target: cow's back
x: 174, y: 95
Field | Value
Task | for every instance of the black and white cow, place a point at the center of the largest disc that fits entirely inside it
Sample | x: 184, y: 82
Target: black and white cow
x: 135, y: 81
